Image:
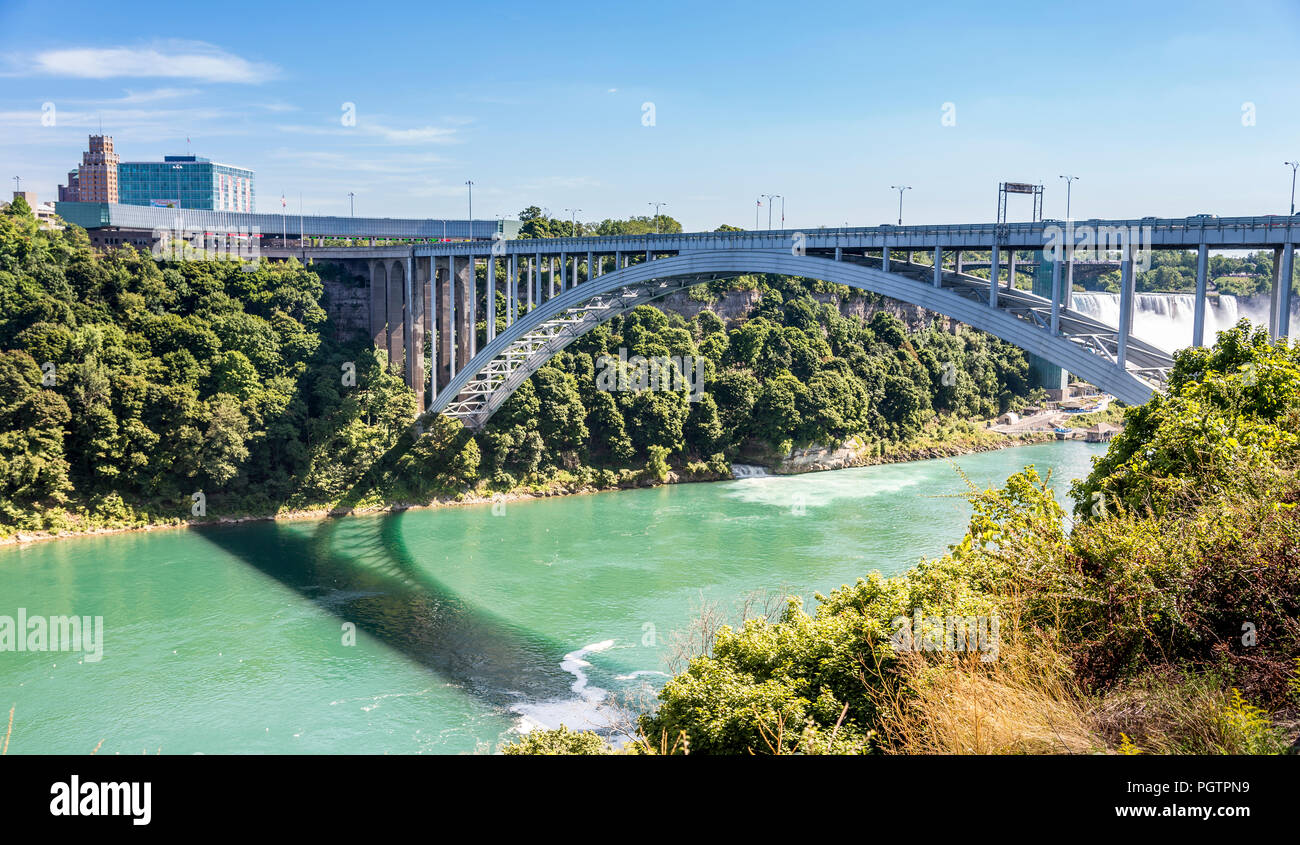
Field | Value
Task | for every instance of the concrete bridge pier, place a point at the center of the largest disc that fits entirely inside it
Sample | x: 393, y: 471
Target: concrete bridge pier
x: 447, y: 319
x: 512, y: 291
x: 994, y: 272
x: 490, y: 312
x: 467, y: 305
x: 379, y: 304
x: 1127, y: 297
x: 1202, y: 281
x: 394, y: 299
x: 1279, y: 312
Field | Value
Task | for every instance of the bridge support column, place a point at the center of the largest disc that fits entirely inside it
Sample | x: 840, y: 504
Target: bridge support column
x: 430, y: 310
x: 1056, y: 297
x: 471, y: 308
x: 957, y: 263
x: 379, y: 304
x: 839, y: 253
x: 512, y: 294
x: 466, y: 309
x: 1202, y: 280
x: 994, y: 272
x: 396, y: 283
x: 534, y: 288
x: 1067, y: 298
x: 449, y: 320
x: 884, y: 259
x: 491, y: 313
x: 938, y: 266
x: 414, y: 331
x: 591, y: 265
x: 1283, y: 261
x: 1126, y: 303
x: 564, y: 274
x: 1011, y: 271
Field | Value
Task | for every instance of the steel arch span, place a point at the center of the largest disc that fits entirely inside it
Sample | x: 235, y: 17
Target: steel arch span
x: 1083, y: 346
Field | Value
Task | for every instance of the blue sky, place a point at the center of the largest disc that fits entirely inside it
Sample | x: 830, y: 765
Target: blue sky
x: 827, y: 104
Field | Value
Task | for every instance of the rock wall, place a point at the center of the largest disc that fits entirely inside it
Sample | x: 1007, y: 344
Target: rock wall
x: 348, y: 304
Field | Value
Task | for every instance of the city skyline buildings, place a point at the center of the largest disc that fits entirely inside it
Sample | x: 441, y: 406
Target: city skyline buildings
x: 178, y: 181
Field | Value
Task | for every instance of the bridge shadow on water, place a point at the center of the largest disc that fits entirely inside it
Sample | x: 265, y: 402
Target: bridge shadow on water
x: 358, y: 569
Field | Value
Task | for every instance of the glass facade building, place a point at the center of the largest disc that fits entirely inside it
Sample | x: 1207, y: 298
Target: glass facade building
x: 186, y: 182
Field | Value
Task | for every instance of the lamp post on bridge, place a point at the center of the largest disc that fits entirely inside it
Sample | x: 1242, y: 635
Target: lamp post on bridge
x: 657, y: 206
x: 1293, y: 165
x: 469, y: 183
x: 769, y: 198
x: 900, y: 189
x: 573, y: 221
x: 1069, y: 182
x: 352, y: 208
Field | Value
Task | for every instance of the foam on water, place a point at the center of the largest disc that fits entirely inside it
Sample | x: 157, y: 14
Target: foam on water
x: 747, y: 471
x: 587, y: 711
x: 822, y: 488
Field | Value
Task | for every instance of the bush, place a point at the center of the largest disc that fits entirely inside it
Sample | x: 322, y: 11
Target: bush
x: 559, y: 741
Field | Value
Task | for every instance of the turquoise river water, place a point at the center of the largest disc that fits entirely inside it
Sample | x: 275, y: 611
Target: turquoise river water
x: 471, y: 623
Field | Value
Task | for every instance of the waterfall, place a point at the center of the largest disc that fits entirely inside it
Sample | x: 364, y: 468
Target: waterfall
x: 747, y: 471
x: 1165, y: 319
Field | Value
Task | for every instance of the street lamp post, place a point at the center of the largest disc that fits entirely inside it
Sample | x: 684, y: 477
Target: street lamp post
x: 769, y: 198
x: 900, y: 189
x: 573, y: 221
x: 352, y: 209
x: 1293, y: 165
x: 469, y: 183
x: 1069, y: 182
x: 657, y: 206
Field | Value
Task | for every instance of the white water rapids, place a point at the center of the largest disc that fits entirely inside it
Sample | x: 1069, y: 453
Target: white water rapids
x: 1165, y: 319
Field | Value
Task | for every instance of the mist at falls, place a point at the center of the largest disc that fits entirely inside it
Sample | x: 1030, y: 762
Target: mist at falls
x: 1165, y: 319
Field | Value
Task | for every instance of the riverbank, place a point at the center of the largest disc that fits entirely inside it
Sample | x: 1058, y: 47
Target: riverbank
x: 935, y: 443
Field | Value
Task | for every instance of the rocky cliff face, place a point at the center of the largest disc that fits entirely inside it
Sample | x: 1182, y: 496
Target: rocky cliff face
x: 348, y: 304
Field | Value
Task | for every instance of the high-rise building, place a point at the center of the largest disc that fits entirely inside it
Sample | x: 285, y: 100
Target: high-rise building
x: 96, y: 179
x: 187, y: 182
x: 178, y: 181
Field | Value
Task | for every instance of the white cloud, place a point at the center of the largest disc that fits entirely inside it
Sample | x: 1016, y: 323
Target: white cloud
x: 180, y: 60
x: 382, y: 132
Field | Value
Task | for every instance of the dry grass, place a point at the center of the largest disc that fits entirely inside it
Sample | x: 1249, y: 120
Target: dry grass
x: 1023, y: 702
x: 1171, y: 711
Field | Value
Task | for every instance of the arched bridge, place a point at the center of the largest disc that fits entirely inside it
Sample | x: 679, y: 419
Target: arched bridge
x: 556, y: 290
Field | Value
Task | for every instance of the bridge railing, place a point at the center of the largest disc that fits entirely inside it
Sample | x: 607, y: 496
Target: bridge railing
x: 673, y: 241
